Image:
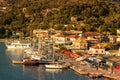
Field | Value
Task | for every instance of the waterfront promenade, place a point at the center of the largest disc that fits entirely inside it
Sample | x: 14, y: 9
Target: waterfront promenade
x: 94, y: 72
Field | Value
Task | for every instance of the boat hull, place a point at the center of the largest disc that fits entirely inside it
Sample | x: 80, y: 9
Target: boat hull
x: 56, y: 66
x: 31, y: 62
x: 28, y: 62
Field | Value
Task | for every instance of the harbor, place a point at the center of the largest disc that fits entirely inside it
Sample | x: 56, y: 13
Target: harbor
x: 60, y: 40
x: 86, y: 70
x: 21, y: 72
x: 77, y: 66
x: 50, y: 54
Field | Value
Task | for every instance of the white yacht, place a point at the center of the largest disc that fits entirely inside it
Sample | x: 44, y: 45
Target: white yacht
x: 18, y: 44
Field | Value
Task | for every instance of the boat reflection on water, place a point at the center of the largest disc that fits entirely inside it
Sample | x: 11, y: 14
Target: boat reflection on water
x: 36, y: 72
x: 16, y: 51
x: 53, y: 70
x: 54, y: 73
x: 14, y: 54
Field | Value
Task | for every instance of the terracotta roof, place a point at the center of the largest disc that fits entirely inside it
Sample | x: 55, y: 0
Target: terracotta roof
x: 71, y: 54
x: 1, y: 0
x: 60, y: 35
x: 86, y: 34
x: 96, y: 47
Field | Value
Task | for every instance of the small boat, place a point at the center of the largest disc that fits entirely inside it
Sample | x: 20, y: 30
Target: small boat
x: 61, y: 65
x: 26, y: 62
x: 30, y: 62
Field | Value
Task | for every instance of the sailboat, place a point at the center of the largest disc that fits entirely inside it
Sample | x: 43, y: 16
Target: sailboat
x: 56, y: 63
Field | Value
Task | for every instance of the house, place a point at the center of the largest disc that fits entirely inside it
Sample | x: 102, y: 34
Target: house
x: 40, y: 33
x: 72, y: 37
x: 80, y: 43
x: 96, y: 50
x: 79, y: 33
x: 93, y: 36
x: 65, y: 38
x: 61, y: 37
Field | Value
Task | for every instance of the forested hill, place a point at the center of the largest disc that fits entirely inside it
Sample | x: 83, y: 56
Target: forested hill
x: 85, y: 15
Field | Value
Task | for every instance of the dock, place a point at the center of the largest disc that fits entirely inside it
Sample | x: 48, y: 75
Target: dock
x: 79, y: 71
x: 93, y: 72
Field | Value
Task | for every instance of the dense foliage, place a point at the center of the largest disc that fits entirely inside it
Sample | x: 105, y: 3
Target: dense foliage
x: 85, y: 15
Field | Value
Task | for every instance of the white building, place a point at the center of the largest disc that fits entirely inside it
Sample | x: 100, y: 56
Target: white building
x: 96, y: 50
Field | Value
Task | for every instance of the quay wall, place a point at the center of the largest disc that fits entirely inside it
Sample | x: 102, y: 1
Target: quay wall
x: 93, y: 72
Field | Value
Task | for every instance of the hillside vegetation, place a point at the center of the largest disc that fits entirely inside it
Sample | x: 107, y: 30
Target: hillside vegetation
x: 85, y: 15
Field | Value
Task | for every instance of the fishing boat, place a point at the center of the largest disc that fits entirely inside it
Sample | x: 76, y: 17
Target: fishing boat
x: 26, y: 62
x: 18, y: 44
x: 30, y: 62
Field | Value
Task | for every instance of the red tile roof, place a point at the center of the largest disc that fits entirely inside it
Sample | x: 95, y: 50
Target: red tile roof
x: 96, y: 47
x: 60, y: 35
x: 71, y: 54
x: 1, y: 0
x: 86, y: 34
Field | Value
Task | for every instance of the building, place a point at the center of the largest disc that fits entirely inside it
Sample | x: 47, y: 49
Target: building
x: 96, y: 50
x: 93, y: 36
x: 80, y: 43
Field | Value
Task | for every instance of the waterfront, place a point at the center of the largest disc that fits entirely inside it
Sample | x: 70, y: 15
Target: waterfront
x: 21, y: 72
x: 9, y: 71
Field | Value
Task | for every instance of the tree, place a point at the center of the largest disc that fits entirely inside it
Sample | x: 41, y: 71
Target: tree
x: 109, y: 47
x: 2, y: 32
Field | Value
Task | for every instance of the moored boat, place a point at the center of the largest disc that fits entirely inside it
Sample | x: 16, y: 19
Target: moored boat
x: 26, y: 62
x: 61, y: 65
x: 18, y: 44
x: 30, y: 62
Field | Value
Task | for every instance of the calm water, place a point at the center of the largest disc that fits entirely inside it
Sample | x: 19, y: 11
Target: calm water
x: 9, y: 71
